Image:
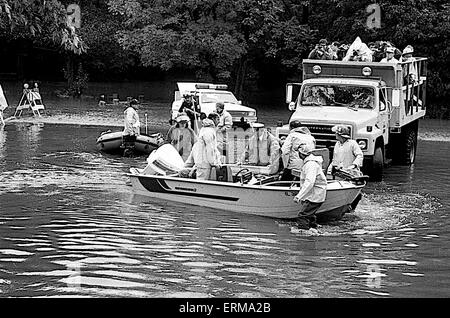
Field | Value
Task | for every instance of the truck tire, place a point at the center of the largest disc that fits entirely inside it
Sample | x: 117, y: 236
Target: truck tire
x: 377, y: 164
x: 409, y: 147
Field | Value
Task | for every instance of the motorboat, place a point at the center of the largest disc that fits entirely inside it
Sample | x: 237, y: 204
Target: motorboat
x: 112, y: 142
x: 243, y: 192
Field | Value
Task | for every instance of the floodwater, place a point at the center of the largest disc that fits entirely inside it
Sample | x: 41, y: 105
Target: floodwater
x: 71, y: 226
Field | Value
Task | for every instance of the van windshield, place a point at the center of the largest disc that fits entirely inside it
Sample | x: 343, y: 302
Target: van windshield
x: 337, y: 95
x: 214, y: 97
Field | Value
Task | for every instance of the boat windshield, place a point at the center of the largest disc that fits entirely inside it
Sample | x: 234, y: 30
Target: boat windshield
x: 219, y: 96
x: 340, y: 95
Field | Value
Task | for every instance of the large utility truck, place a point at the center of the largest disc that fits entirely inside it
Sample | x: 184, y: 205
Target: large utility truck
x: 381, y: 103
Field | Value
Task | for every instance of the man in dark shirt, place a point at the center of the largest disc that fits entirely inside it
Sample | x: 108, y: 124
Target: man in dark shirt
x: 191, y: 107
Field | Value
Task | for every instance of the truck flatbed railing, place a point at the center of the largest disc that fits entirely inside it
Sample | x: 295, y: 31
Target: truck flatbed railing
x: 392, y: 73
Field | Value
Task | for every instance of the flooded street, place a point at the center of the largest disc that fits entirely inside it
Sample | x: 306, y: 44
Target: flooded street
x: 70, y: 225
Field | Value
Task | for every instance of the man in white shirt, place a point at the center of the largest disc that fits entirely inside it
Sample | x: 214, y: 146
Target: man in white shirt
x: 3, y: 105
x: 313, y: 187
x: 289, y: 150
x: 132, y: 127
x: 346, y: 154
x: 389, y: 56
x: 225, y: 123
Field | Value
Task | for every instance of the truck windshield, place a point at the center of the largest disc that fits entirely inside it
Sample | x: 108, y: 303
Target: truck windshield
x: 337, y: 95
x: 214, y: 97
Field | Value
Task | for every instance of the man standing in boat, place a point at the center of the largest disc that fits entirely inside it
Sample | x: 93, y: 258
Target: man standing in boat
x: 204, y: 154
x: 225, y: 123
x: 313, y: 187
x: 289, y: 150
x: 181, y: 136
x: 132, y: 127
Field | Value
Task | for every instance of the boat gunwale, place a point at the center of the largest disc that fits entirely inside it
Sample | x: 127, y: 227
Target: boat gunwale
x: 247, y: 186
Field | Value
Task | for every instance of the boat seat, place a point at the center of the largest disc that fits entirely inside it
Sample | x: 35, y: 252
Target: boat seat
x: 243, y: 176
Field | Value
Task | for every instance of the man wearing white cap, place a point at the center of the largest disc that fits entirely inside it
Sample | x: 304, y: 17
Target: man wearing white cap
x: 346, y: 154
x: 132, y: 127
x: 131, y: 122
x: 204, y: 154
x: 181, y: 136
x: 289, y: 151
x: 390, y: 51
x: 409, y: 69
x: 313, y: 187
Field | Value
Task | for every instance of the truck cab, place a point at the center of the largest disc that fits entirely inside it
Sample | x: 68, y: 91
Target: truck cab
x: 372, y: 99
x: 207, y: 95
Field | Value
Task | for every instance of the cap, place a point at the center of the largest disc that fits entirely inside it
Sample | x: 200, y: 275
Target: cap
x: 258, y: 125
x: 182, y: 117
x: 323, y: 42
x: 341, y: 130
x: 134, y: 102
x: 408, y: 50
x: 295, y: 124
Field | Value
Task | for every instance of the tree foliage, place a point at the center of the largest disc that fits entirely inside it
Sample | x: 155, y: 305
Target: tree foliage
x: 209, y: 37
x: 40, y: 21
x: 236, y: 41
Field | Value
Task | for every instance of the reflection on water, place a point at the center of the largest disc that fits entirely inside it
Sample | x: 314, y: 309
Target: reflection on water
x: 72, y: 227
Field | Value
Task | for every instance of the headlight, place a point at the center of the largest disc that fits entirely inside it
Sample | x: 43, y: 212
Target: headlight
x: 251, y: 114
x: 366, y: 71
x: 317, y: 69
x: 362, y: 143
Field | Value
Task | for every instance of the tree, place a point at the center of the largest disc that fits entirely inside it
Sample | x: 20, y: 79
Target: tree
x: 215, y: 40
x: 40, y: 22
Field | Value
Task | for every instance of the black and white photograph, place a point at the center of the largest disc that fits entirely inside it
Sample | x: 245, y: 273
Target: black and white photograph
x: 225, y: 154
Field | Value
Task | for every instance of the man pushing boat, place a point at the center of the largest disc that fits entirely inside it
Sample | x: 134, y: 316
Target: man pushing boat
x: 313, y: 187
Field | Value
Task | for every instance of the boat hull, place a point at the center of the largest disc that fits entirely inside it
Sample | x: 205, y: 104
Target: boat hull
x: 112, y: 142
x: 262, y: 200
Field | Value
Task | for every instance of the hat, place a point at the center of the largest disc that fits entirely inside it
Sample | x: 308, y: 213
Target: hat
x: 207, y: 123
x: 295, y: 124
x: 341, y: 130
x: 182, y: 117
x: 323, y: 42
x: 408, y: 50
x: 390, y: 49
x: 258, y: 125
x: 306, y: 148
x: 134, y: 102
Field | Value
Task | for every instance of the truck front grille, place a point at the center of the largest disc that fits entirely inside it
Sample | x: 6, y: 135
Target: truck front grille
x: 323, y: 134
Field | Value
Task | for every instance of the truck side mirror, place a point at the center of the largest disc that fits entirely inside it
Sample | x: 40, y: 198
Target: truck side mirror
x: 289, y: 89
x: 382, y: 106
x: 239, y: 102
x: 291, y: 106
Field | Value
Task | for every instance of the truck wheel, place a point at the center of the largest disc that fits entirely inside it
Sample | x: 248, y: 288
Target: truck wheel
x: 376, y: 169
x: 409, y: 149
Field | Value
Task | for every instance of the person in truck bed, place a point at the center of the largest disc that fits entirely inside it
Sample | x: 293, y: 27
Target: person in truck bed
x: 389, y: 56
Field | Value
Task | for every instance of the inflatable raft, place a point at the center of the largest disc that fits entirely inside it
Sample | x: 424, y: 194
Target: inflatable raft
x: 111, y: 142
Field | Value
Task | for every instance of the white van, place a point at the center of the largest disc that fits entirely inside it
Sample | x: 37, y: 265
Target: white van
x: 208, y: 95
